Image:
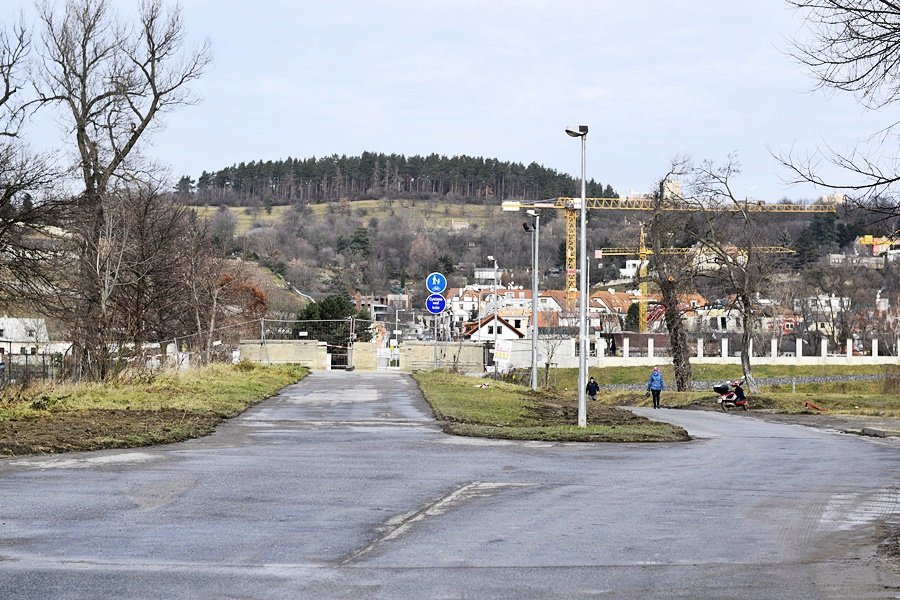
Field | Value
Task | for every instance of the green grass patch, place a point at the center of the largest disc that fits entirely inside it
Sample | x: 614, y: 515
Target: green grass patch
x: 838, y: 403
x: 855, y: 398
x: 568, y: 378
x: 485, y: 408
x: 137, y: 412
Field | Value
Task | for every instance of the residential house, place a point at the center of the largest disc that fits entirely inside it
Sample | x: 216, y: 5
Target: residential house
x: 461, y: 302
x: 718, y: 317
x: 632, y: 266
x: 27, y: 336
x: 485, y: 275
x: 608, y: 309
x: 486, y: 328
x: 377, y: 307
x: 822, y: 306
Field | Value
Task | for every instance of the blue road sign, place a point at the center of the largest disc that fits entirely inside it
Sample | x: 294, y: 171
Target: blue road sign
x: 435, y: 304
x: 436, y: 283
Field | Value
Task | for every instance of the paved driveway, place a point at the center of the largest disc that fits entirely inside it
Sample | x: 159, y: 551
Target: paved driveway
x: 343, y: 487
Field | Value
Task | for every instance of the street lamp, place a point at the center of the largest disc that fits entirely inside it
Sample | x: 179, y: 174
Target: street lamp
x: 581, y: 131
x: 495, y: 311
x: 535, y: 239
x: 397, y: 312
x: 395, y: 352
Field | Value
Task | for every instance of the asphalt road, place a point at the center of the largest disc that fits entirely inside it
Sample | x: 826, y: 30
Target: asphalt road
x: 344, y: 487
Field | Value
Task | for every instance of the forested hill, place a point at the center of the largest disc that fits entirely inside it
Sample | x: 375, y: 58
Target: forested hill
x: 374, y: 175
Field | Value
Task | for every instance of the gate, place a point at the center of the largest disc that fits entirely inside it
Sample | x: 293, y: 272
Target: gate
x: 338, y: 336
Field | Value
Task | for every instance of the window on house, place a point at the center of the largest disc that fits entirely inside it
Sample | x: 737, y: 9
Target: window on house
x: 29, y: 333
x: 490, y: 330
x: 2, y: 333
x: 517, y: 323
x: 34, y: 351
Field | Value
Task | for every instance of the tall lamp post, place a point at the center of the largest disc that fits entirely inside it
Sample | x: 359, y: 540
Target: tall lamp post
x: 397, y: 336
x: 581, y: 131
x: 535, y: 240
x: 495, y: 312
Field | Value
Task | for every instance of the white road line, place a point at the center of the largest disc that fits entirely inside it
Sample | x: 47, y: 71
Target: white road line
x: 397, y: 526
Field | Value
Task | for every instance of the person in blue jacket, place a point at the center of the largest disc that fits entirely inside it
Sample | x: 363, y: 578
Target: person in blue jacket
x: 655, y: 385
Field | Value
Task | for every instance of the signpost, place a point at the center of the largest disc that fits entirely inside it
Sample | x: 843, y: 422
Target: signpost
x: 435, y: 303
x: 436, y: 283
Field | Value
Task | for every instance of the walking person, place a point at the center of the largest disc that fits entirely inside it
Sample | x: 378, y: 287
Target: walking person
x: 592, y: 388
x: 655, y: 385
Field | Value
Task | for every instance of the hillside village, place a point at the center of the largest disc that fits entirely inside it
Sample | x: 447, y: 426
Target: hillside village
x: 792, y: 318
x: 786, y: 325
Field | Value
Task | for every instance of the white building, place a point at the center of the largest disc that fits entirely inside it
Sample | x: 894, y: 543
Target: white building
x: 631, y: 269
x: 486, y: 328
x: 27, y: 336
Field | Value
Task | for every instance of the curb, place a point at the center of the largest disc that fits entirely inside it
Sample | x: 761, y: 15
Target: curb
x: 872, y: 432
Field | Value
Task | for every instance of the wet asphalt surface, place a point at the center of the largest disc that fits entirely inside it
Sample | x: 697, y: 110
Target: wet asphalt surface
x: 343, y: 486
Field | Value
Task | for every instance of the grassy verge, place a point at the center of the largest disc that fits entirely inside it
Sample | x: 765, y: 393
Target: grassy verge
x: 568, y: 378
x: 165, y: 409
x: 508, y: 411
x: 862, y: 398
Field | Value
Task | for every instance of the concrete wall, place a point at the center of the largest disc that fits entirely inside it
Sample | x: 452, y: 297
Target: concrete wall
x: 311, y: 354
x: 564, y: 357
x: 364, y: 356
x: 467, y: 357
x: 414, y: 355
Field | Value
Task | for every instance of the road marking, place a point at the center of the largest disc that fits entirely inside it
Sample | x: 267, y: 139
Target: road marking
x: 400, y: 524
x: 84, y: 463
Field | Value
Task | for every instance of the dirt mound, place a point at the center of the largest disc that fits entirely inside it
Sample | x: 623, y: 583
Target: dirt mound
x: 97, y: 429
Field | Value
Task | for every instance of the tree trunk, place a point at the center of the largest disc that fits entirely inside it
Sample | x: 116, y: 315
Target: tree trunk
x: 746, y: 337
x: 678, y: 346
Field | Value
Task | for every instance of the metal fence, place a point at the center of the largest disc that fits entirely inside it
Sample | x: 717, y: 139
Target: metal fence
x: 24, y: 368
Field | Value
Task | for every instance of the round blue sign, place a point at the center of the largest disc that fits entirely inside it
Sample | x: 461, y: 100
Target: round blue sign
x: 435, y: 304
x: 436, y: 283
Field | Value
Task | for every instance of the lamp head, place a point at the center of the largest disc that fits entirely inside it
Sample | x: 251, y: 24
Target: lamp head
x: 490, y: 258
x: 531, y: 213
x: 577, y: 131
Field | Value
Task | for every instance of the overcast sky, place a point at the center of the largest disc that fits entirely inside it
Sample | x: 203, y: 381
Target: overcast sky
x: 502, y: 79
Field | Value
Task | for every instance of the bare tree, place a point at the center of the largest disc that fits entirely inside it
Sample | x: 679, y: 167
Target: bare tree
x: 216, y: 287
x: 854, y: 46
x: 551, y: 340
x: 733, y: 238
x: 672, y: 273
x: 152, y: 299
x: 29, y: 243
x: 112, y: 82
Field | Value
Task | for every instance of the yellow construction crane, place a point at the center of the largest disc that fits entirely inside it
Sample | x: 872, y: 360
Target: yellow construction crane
x: 571, y: 207
x: 642, y: 251
x: 871, y: 240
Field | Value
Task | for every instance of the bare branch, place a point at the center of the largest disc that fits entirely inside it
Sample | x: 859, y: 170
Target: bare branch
x: 854, y: 47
